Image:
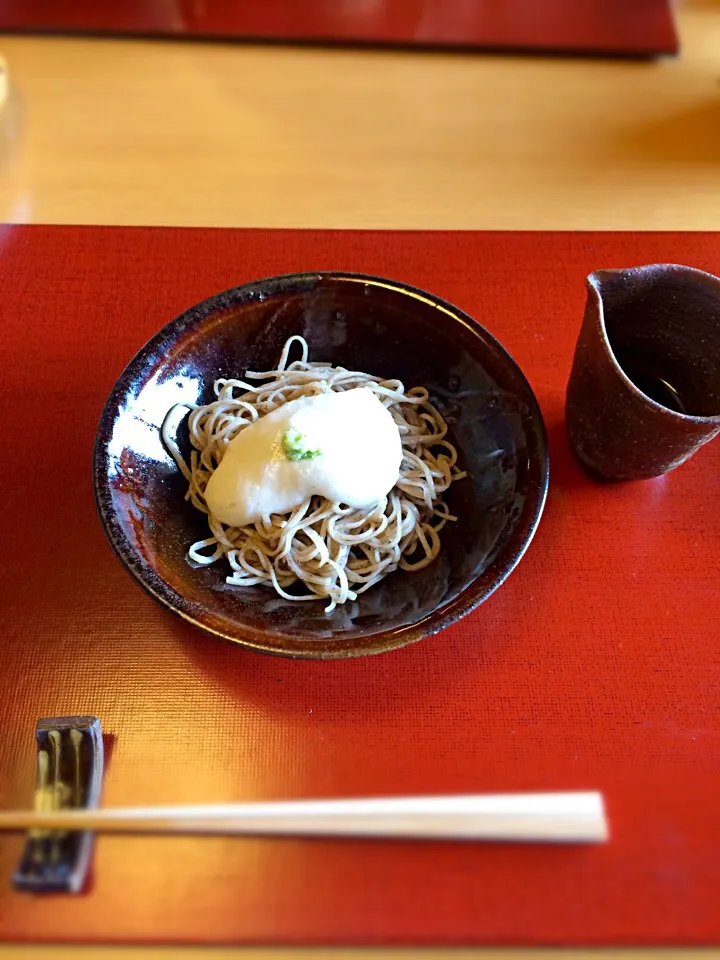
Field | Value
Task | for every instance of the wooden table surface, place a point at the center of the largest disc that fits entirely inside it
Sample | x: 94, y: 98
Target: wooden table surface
x: 126, y: 132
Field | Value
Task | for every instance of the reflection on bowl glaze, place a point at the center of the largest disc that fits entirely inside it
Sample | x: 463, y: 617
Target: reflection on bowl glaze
x: 359, y: 322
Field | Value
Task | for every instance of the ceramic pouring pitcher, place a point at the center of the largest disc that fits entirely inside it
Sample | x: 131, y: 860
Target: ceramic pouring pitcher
x: 644, y: 390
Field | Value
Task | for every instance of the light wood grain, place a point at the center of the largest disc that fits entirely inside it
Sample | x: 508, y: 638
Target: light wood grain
x: 126, y: 132
x: 576, y: 817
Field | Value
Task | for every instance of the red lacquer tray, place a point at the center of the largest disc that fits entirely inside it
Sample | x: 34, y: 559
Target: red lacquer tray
x: 597, y: 665
x: 639, y: 27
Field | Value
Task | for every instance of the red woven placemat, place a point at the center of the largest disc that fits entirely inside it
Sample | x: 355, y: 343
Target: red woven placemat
x: 641, y: 27
x: 597, y: 665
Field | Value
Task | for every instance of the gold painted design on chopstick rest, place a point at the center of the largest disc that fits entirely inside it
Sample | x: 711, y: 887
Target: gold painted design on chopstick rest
x: 76, y: 738
x: 51, y: 794
x: 68, y: 775
x: 43, y: 801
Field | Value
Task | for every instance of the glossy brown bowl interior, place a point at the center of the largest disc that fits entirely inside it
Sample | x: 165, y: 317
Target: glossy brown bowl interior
x: 379, y: 326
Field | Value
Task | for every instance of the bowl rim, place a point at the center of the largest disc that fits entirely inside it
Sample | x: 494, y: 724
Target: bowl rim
x: 253, y: 638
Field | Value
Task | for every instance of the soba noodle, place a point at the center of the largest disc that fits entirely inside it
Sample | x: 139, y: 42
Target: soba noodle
x: 334, y: 551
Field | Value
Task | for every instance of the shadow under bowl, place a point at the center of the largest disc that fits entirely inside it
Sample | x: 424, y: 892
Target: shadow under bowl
x: 365, y: 323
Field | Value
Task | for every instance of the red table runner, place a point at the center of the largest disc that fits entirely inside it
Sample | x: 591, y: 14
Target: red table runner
x: 596, y: 666
x: 637, y: 27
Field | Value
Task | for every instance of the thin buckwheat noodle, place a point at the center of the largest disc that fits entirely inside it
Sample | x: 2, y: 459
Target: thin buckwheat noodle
x: 334, y: 551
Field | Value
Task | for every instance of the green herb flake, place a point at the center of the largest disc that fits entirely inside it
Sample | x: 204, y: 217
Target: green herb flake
x: 295, y: 446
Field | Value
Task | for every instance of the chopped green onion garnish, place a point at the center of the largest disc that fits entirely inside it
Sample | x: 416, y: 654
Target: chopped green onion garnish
x: 295, y: 446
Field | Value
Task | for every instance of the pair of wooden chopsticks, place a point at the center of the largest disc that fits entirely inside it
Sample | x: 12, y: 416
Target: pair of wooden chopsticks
x: 539, y: 817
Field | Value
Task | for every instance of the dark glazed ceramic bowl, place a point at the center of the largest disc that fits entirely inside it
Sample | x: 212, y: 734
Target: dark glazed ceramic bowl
x: 365, y: 323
